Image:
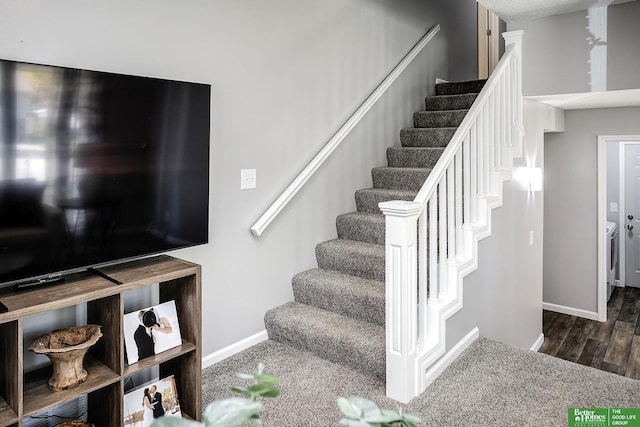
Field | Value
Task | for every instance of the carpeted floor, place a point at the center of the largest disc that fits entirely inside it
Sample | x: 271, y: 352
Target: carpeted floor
x: 491, y: 384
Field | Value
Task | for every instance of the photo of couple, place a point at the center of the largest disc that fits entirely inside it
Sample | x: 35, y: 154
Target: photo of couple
x: 153, y: 400
x: 150, y: 331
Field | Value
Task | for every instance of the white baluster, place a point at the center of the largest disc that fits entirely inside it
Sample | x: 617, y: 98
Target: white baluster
x: 459, y: 190
x: 442, y: 238
x: 423, y: 276
x: 451, y: 211
x: 515, y: 38
x: 433, y: 248
x: 466, y: 172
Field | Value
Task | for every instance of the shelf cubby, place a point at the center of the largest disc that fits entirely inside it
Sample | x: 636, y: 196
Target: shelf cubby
x: 7, y: 415
x: 38, y: 396
x: 23, y: 395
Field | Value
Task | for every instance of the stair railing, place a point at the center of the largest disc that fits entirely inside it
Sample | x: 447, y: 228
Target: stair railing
x: 452, y: 211
x: 290, y: 192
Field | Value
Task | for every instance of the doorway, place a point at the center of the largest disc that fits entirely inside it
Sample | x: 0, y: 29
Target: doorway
x: 489, y: 45
x: 612, y: 167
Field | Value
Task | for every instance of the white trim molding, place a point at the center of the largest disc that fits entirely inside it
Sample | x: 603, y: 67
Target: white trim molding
x: 437, y: 368
x: 571, y: 311
x: 234, y: 348
x: 538, y: 343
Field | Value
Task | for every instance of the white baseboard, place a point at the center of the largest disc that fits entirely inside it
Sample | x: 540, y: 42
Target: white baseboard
x: 617, y: 284
x: 438, y: 81
x: 536, y: 345
x: 232, y: 349
x: 437, y: 368
x: 591, y: 315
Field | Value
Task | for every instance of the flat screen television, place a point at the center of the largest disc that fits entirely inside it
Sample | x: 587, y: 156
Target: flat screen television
x: 98, y: 167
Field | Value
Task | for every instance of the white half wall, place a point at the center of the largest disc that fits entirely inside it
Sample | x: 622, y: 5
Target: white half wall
x: 285, y: 74
x: 503, y: 297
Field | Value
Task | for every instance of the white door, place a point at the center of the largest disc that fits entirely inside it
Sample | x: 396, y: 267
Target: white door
x: 631, y: 227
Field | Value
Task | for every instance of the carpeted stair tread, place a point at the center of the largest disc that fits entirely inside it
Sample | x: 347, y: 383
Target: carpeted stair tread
x: 399, y: 178
x: 426, y: 137
x: 367, y: 199
x: 459, y: 88
x: 438, y: 119
x: 332, y: 336
x: 339, y: 308
x: 352, y: 296
x: 352, y: 257
x: 361, y: 226
x: 413, y: 157
x: 449, y: 102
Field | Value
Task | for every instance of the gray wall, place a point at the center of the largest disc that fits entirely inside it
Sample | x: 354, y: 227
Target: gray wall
x: 556, y: 51
x: 285, y: 74
x: 570, y: 209
x: 503, y: 297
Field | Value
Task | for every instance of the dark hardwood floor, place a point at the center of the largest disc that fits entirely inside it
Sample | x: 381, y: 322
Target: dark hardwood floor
x: 612, y: 346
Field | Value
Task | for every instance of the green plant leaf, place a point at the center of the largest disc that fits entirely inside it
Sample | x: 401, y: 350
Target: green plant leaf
x: 245, y: 376
x: 411, y: 418
x: 367, y: 407
x: 242, y: 391
x: 231, y: 412
x: 259, y: 388
x: 274, y: 392
x: 348, y: 408
x: 266, y: 379
x: 391, y: 413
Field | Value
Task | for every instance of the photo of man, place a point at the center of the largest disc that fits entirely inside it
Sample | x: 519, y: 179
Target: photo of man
x: 151, y: 331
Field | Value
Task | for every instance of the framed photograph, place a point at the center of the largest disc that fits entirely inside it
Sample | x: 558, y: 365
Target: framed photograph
x: 150, y: 401
x: 150, y: 331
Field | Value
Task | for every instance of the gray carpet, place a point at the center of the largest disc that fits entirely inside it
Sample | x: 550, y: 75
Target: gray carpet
x: 491, y: 384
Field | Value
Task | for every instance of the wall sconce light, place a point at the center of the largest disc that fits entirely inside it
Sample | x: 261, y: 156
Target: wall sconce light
x: 530, y: 178
x: 535, y: 179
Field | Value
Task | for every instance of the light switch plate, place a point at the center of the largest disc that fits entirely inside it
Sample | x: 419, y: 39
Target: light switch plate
x: 613, y: 207
x: 247, y: 179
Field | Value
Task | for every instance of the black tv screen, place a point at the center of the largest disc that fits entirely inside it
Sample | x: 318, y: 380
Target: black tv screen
x: 98, y: 167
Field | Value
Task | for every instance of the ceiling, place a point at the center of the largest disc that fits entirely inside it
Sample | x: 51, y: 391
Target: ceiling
x: 522, y: 10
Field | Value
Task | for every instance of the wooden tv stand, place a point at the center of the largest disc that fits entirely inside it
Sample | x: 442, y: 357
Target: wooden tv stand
x: 24, y: 395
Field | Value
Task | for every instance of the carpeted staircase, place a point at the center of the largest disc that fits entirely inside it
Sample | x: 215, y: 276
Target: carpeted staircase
x: 339, y: 307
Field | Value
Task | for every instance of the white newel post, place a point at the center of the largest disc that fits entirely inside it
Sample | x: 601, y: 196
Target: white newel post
x: 401, y: 278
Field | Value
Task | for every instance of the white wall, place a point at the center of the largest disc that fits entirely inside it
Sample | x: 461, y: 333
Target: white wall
x: 503, y: 297
x: 570, y: 247
x: 285, y: 74
x: 556, y: 51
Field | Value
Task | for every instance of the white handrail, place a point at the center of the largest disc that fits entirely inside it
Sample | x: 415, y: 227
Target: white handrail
x: 457, y: 139
x: 290, y: 192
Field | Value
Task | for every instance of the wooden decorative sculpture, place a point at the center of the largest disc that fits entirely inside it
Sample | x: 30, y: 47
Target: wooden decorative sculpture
x: 66, y: 349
